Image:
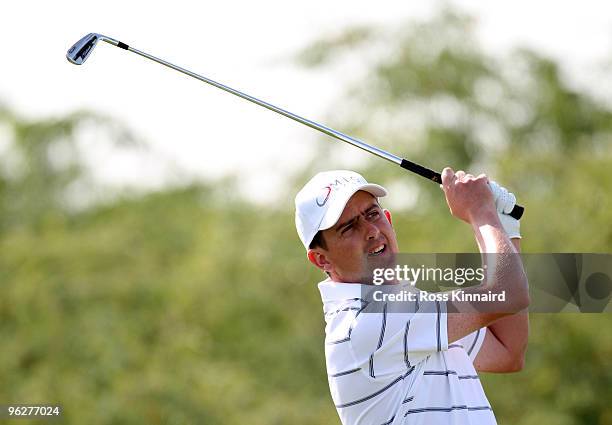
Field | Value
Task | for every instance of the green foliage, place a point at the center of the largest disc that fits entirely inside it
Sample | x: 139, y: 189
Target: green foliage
x: 43, y: 160
x: 191, y: 305
x: 164, y: 310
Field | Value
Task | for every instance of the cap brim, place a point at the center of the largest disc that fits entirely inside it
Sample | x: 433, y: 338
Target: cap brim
x: 335, y: 210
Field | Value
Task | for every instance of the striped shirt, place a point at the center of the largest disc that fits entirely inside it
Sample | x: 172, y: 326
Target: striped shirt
x: 396, y: 367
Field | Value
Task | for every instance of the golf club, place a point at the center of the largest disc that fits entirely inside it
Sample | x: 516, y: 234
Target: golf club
x: 81, y: 50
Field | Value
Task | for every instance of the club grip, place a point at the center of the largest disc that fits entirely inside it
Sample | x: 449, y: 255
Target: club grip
x: 517, y: 211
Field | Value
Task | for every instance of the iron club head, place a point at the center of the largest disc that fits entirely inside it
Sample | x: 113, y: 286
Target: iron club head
x: 81, y: 50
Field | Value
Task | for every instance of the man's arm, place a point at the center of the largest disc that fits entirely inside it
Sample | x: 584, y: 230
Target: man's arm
x: 505, y: 344
x: 469, y: 199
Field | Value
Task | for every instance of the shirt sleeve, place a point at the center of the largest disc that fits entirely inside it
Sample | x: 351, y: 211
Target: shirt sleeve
x: 392, y: 340
x: 473, y: 342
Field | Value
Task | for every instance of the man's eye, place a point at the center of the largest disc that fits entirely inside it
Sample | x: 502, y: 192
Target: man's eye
x: 373, y: 214
x: 346, y: 229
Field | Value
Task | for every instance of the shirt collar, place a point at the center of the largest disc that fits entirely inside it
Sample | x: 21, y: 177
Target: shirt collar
x: 336, y: 291
x: 332, y: 291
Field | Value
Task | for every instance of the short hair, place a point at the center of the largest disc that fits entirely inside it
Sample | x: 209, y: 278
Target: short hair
x: 318, y: 241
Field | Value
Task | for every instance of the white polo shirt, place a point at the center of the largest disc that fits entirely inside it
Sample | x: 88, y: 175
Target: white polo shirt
x: 396, y: 367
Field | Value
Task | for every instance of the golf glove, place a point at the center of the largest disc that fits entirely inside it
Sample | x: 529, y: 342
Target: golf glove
x: 505, y: 202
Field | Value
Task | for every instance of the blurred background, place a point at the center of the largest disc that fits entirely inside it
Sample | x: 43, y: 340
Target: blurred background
x: 150, y: 272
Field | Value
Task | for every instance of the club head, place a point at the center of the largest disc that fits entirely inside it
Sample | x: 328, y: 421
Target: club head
x: 81, y: 50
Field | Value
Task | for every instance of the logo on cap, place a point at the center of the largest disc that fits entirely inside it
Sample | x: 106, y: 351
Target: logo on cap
x: 325, y: 192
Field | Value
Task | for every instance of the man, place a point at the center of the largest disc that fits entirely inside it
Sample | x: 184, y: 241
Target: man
x: 418, y: 365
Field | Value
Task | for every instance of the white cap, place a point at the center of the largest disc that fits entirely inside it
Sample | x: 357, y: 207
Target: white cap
x: 320, y: 203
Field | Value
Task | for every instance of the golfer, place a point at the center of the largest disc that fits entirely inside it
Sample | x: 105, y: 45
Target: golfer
x: 418, y: 365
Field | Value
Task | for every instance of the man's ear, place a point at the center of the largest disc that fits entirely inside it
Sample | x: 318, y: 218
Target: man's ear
x: 319, y: 259
x: 388, y: 215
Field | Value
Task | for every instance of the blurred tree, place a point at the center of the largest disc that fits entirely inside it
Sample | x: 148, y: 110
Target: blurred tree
x: 42, y: 159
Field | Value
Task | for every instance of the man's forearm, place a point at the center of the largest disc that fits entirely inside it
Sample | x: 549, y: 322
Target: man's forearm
x: 513, y: 331
x: 504, y: 267
x: 491, y: 237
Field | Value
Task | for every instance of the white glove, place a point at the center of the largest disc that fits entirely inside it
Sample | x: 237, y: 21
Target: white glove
x: 505, y: 202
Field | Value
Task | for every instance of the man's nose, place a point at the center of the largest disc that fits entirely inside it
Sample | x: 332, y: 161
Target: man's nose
x: 372, y: 231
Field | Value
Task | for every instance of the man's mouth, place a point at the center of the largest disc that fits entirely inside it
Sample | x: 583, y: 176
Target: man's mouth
x: 378, y: 250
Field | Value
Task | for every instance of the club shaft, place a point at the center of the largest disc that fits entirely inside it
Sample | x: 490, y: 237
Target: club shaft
x: 517, y: 212
x: 329, y: 131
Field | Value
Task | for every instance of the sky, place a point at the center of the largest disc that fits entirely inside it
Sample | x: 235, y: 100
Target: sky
x: 204, y: 132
